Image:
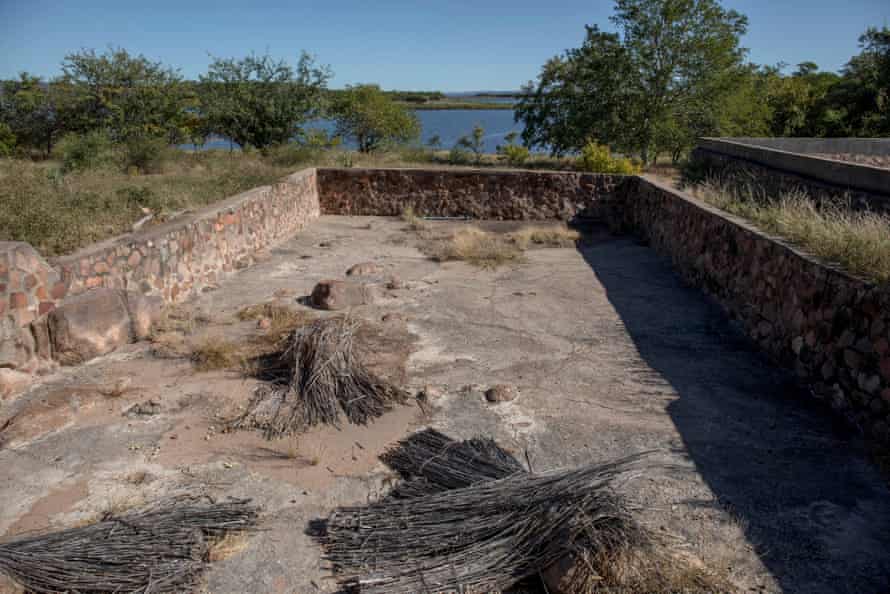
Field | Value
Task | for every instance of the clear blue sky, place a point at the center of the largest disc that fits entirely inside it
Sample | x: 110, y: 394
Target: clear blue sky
x: 452, y: 45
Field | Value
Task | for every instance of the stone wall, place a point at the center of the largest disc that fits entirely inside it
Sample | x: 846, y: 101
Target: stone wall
x: 29, y: 286
x: 831, y: 328
x: 480, y: 194
x: 179, y: 258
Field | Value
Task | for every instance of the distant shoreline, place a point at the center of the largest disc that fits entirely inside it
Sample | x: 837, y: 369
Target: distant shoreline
x: 444, y: 105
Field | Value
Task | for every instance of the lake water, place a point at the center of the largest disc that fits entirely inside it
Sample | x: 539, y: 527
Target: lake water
x: 447, y: 124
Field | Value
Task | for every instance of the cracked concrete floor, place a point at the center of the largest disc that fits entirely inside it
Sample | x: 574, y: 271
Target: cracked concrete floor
x: 612, y: 354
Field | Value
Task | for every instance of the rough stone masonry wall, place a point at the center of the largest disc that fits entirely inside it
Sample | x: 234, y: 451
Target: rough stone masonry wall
x: 180, y: 258
x: 506, y: 195
x: 831, y: 328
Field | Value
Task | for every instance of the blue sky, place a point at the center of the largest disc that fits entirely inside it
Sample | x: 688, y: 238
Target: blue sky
x: 452, y: 45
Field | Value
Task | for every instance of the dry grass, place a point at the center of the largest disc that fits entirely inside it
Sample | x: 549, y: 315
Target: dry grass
x: 475, y: 246
x: 415, y: 223
x: 214, y: 353
x: 59, y: 212
x: 227, y: 546
x: 858, y: 241
x: 549, y: 236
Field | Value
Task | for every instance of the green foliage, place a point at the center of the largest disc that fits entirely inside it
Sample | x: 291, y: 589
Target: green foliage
x: 597, y: 158
x: 513, y: 154
x: 434, y: 142
x: 7, y: 140
x: 654, y: 86
x: 123, y: 94
x: 372, y: 118
x: 85, y: 151
x: 29, y: 110
x: 258, y: 101
x: 144, y: 154
x: 588, y: 91
x: 474, y: 143
x: 460, y: 156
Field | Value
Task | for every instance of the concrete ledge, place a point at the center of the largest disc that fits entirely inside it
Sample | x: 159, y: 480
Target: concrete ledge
x: 858, y: 146
x: 845, y: 175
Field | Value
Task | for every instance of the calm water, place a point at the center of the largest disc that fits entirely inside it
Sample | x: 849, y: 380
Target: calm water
x: 448, y: 124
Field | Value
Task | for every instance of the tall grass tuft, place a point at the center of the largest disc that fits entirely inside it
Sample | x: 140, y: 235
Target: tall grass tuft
x: 858, y: 241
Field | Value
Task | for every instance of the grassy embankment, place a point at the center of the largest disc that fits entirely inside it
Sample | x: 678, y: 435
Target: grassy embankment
x: 58, y: 212
x: 858, y: 241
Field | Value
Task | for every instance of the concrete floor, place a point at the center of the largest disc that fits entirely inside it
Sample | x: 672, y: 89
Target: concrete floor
x: 612, y: 354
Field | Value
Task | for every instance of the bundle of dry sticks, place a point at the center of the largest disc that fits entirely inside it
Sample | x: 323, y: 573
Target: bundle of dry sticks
x: 468, y: 518
x: 163, y: 548
x: 318, y: 376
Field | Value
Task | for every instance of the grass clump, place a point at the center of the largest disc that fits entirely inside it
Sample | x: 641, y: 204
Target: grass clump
x: 551, y: 236
x: 216, y: 353
x: 858, y: 241
x: 282, y: 321
x: 477, y: 247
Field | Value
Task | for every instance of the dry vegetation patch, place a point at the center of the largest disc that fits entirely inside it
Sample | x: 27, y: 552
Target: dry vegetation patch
x: 475, y: 246
x: 859, y: 241
x: 545, y: 236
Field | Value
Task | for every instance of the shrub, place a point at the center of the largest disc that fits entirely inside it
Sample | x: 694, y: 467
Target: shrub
x: 514, y: 155
x: 292, y: 154
x: 87, y: 151
x: 475, y: 246
x: 144, y: 154
x: 597, y: 158
x: 460, y: 156
x: 7, y: 140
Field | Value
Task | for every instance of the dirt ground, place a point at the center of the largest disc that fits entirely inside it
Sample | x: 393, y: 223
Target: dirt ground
x: 611, y: 353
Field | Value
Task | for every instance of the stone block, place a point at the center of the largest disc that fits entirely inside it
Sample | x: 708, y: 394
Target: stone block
x: 337, y: 294
x: 89, y: 325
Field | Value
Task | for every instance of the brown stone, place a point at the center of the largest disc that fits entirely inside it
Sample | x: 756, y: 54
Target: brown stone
x: 42, y: 343
x: 45, y: 307
x: 18, y: 301
x: 364, y: 269
x: 58, y: 291
x: 30, y: 282
x: 501, y: 393
x: 100, y: 268
x: 885, y: 368
x: 41, y: 293
x: 89, y: 325
x: 337, y: 294
x: 852, y: 359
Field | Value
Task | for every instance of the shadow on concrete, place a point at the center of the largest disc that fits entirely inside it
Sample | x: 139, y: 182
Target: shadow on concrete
x: 811, y: 504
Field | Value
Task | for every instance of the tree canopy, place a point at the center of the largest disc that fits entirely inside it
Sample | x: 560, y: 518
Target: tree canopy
x: 372, y: 118
x: 259, y: 101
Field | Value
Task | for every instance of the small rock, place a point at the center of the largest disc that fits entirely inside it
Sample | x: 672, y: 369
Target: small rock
x: 392, y: 318
x: 118, y: 388
x: 430, y: 393
x: 264, y: 323
x: 337, y: 294
x: 501, y: 393
x: 147, y: 408
x: 12, y: 382
x: 394, y: 282
x: 364, y: 269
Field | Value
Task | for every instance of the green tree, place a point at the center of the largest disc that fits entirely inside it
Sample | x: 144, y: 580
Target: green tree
x: 474, y: 142
x: 30, y: 110
x: 862, y: 96
x: 372, y: 118
x: 126, y: 95
x: 586, y: 92
x: 258, y: 101
x: 653, y: 86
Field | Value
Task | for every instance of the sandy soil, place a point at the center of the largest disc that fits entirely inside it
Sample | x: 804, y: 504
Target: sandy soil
x: 611, y: 353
